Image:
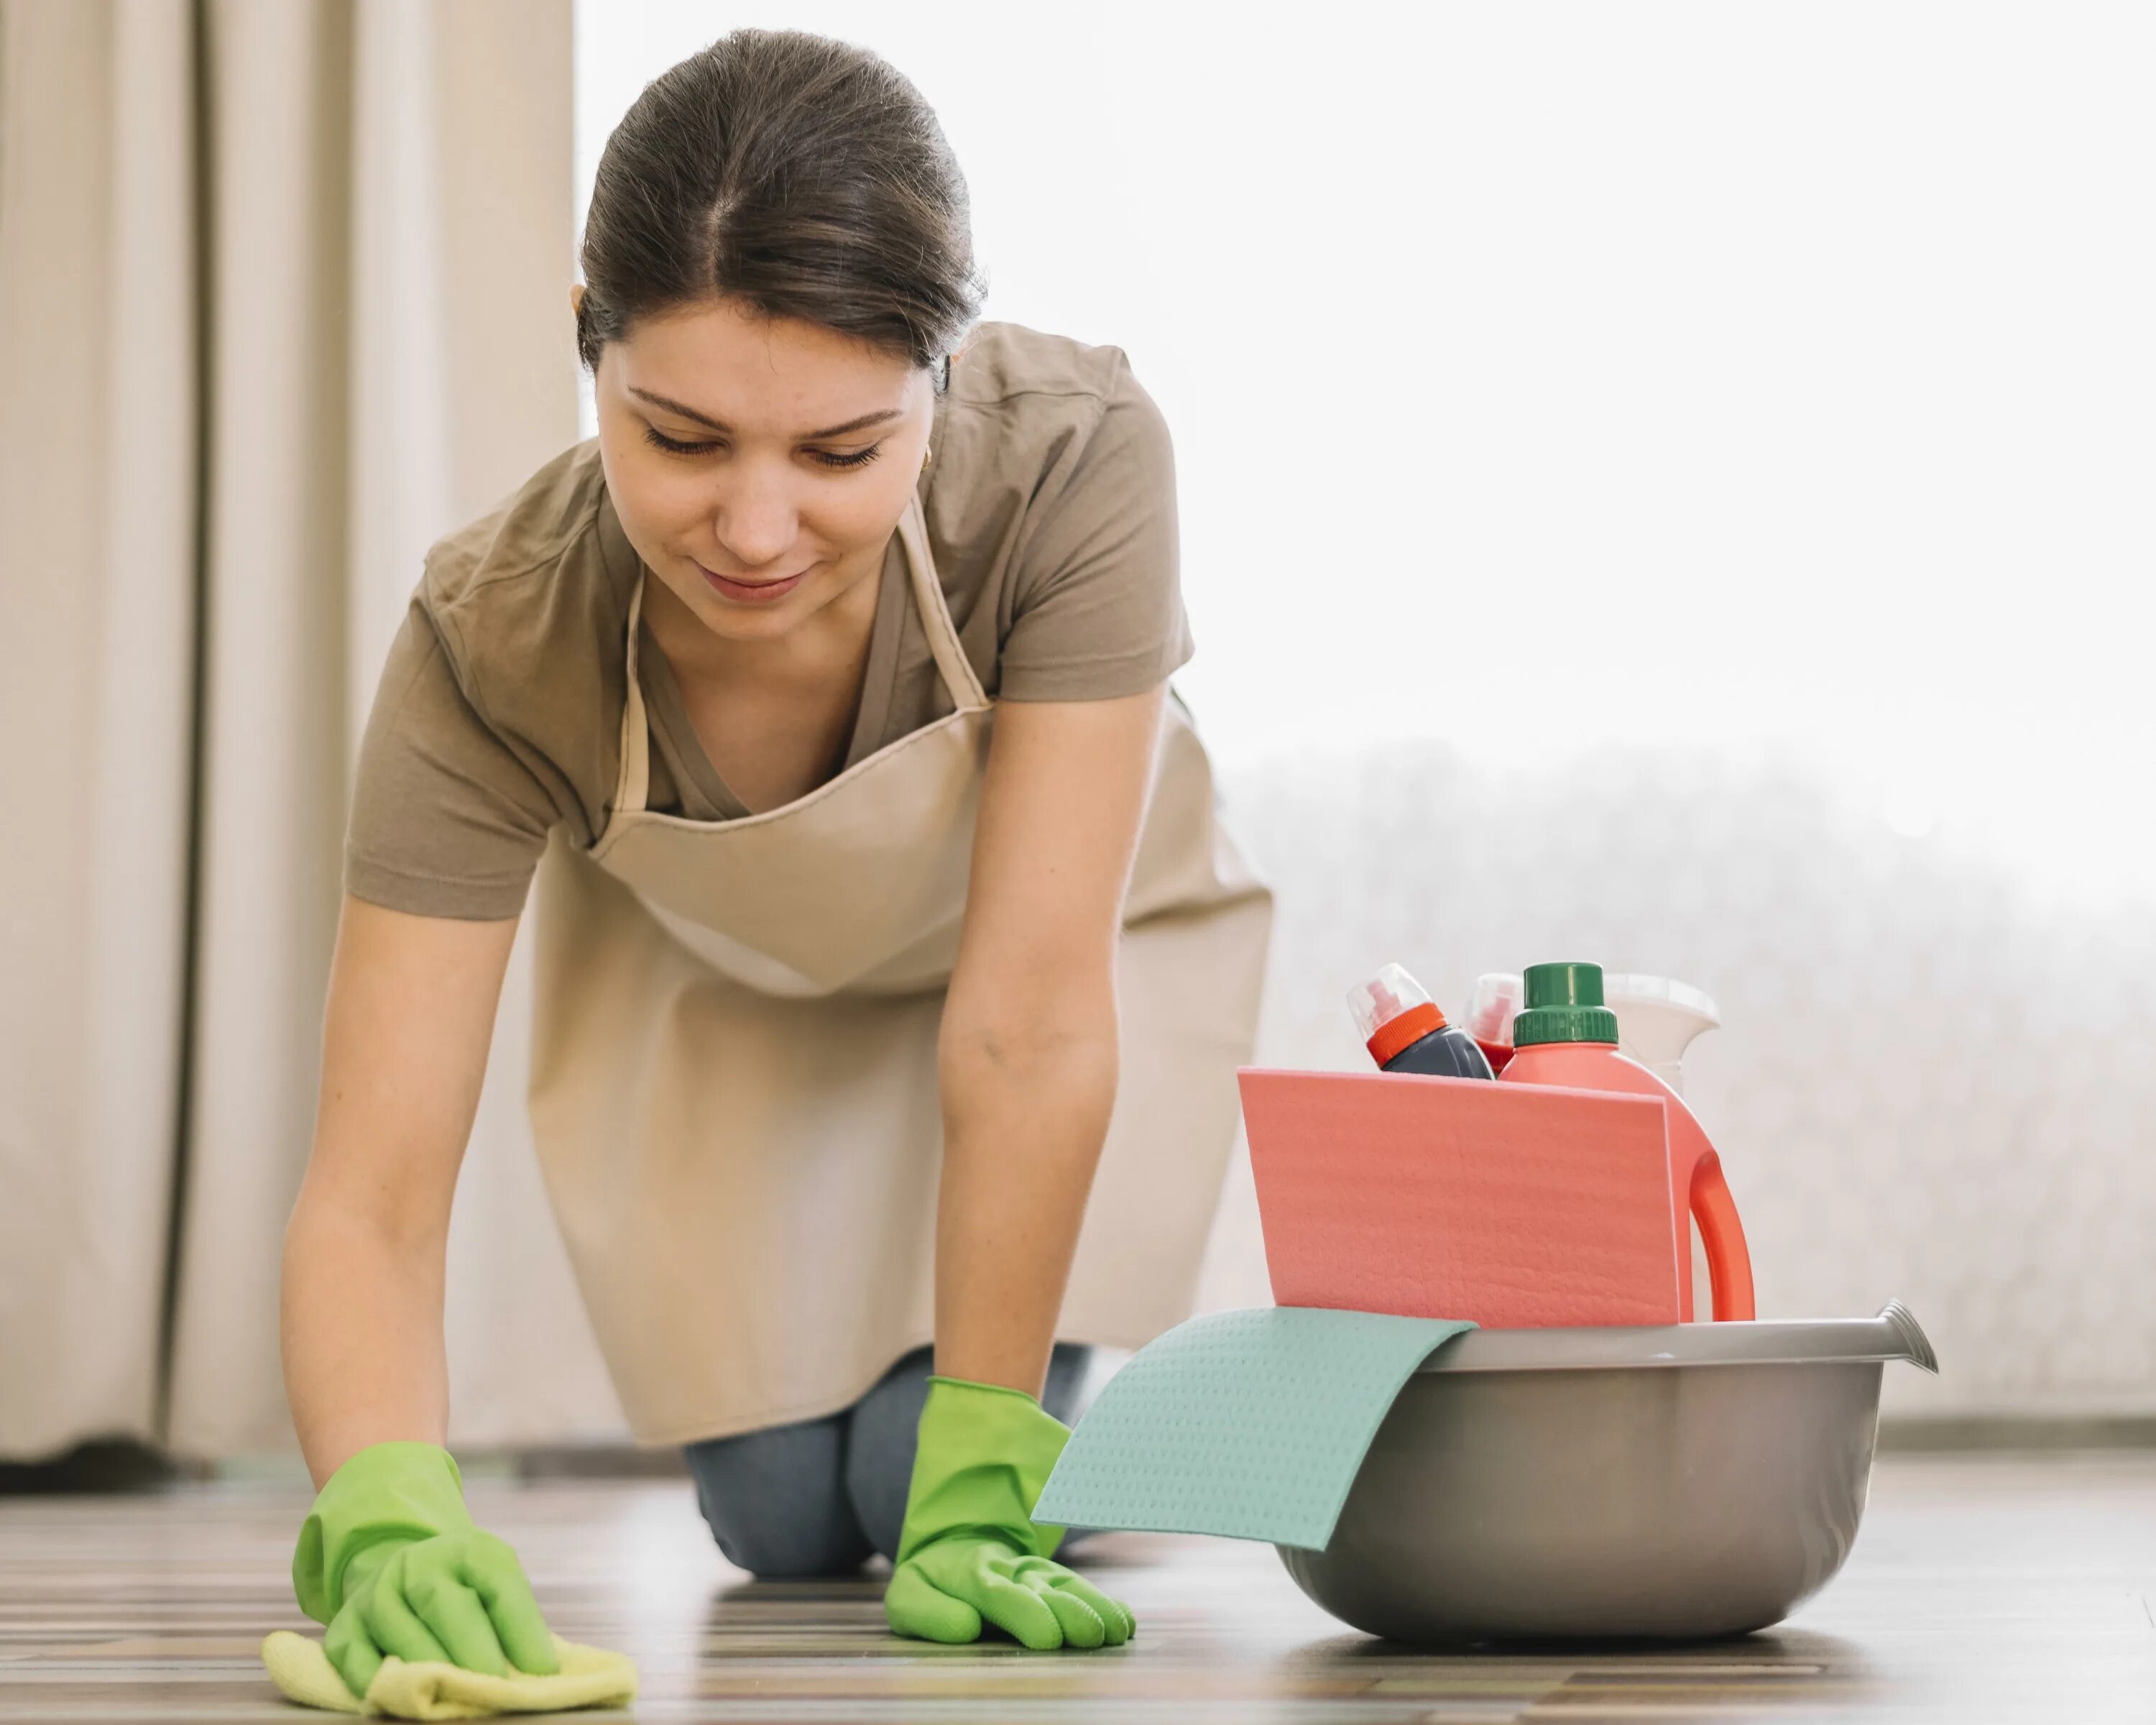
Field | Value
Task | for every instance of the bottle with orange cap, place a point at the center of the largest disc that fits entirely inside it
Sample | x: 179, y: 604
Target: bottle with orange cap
x: 1405, y: 1032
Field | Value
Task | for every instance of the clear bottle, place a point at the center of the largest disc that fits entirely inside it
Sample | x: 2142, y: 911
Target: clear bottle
x: 1405, y: 1032
x: 1498, y: 997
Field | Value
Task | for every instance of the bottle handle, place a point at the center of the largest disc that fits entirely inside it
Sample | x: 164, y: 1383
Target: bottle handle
x: 1728, y: 1260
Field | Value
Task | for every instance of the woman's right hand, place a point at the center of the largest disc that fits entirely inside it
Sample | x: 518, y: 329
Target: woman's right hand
x: 460, y: 1597
x: 389, y: 1558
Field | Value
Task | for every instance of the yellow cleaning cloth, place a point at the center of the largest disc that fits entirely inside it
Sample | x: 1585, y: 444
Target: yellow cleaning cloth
x: 589, y: 1677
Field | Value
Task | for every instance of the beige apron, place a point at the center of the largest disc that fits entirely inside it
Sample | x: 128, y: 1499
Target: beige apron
x: 734, y: 1073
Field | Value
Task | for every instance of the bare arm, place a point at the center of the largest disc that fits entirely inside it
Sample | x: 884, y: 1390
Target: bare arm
x: 1027, y: 1057
x: 410, y: 1019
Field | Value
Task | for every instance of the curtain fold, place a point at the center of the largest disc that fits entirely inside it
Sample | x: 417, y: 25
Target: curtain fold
x: 376, y: 345
x: 98, y: 466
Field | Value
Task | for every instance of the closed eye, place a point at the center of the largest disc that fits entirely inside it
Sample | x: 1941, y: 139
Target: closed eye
x: 674, y: 446
x: 658, y: 440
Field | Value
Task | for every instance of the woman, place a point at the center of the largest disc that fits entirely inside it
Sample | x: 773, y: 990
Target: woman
x: 882, y: 917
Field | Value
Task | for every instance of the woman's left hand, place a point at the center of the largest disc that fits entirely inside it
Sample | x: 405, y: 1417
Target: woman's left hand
x: 947, y: 1590
x: 970, y: 1553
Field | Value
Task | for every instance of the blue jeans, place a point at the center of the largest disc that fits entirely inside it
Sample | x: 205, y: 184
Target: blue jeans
x: 816, y: 1498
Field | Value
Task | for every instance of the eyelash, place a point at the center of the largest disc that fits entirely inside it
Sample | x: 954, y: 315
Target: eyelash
x: 660, y: 441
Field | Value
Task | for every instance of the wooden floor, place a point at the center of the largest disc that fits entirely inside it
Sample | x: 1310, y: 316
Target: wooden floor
x: 1983, y: 1588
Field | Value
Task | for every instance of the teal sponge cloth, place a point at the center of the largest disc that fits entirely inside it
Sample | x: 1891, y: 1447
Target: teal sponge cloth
x: 1247, y: 1424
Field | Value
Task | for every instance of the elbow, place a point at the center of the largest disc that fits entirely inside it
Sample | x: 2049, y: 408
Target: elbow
x: 407, y: 1220
x: 1031, y: 1035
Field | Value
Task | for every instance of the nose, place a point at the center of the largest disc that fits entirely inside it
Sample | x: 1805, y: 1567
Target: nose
x: 755, y: 520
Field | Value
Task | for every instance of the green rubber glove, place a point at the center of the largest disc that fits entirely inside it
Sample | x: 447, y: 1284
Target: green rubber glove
x: 969, y: 1550
x: 389, y: 1558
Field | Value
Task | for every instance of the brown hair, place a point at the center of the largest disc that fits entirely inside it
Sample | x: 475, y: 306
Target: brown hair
x: 802, y: 176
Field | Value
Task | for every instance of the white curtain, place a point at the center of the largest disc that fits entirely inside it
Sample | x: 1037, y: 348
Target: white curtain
x: 98, y: 462
x: 285, y: 296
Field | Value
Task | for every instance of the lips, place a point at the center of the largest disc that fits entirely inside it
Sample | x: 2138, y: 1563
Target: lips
x: 753, y: 592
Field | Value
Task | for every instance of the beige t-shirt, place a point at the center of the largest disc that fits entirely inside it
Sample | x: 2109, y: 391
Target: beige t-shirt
x: 1050, y: 499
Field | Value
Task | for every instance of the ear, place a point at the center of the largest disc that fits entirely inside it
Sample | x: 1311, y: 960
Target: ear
x: 576, y: 298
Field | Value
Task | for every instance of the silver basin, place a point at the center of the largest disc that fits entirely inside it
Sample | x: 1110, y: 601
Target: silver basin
x: 1667, y: 1483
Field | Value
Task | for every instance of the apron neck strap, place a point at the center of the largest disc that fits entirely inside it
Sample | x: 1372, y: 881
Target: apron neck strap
x: 967, y: 695
x: 633, y: 789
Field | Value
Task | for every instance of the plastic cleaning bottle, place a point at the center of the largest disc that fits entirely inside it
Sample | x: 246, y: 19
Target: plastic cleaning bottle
x: 1489, y: 1014
x: 1566, y: 1035
x: 1405, y: 1032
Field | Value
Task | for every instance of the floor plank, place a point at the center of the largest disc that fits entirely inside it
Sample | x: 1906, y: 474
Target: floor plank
x: 1983, y: 1588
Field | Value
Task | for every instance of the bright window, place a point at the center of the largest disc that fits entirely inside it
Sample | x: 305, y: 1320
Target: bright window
x: 1760, y: 379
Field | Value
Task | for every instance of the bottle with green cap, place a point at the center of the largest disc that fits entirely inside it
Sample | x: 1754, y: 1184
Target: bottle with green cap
x: 1565, y: 1034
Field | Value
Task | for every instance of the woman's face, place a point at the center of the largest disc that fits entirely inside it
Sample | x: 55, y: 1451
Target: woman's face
x: 758, y: 465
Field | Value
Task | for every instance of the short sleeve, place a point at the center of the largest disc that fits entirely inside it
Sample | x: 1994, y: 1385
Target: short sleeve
x: 1097, y: 595
x: 446, y: 821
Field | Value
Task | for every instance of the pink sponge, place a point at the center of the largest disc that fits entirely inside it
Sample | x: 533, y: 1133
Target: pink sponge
x: 1518, y: 1206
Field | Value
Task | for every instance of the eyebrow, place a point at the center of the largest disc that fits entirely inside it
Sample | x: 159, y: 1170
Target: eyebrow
x: 689, y: 412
